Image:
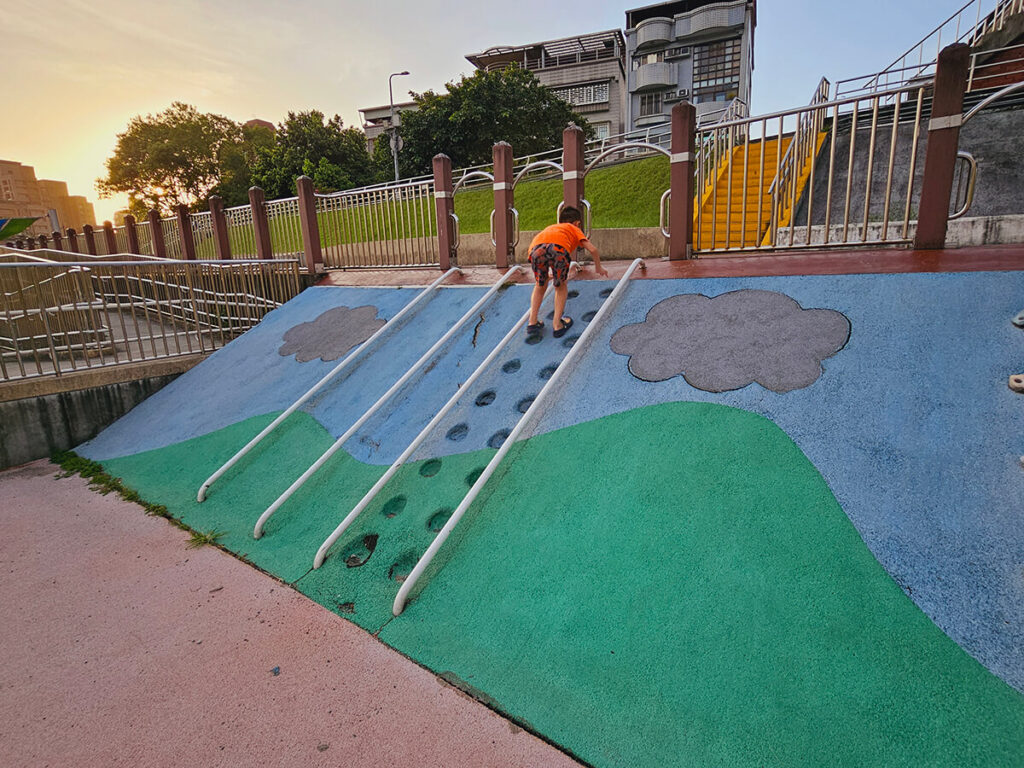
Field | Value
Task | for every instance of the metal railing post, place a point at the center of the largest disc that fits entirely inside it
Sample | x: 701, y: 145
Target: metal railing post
x: 90, y: 239
x: 503, y: 204
x: 156, y: 234
x: 72, y: 240
x: 444, y: 205
x: 108, y: 233
x: 684, y: 131
x: 188, y: 242
x: 942, y: 146
x: 260, y: 223
x: 132, y: 234
x: 220, y: 228
x: 310, y: 226
x: 58, y: 240
x: 43, y: 241
x: 573, y: 166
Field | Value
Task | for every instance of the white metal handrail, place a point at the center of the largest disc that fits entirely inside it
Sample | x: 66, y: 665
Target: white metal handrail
x: 350, y: 518
x: 972, y: 177
x: 424, y: 359
x: 345, y: 363
x: 534, y: 409
x: 993, y: 97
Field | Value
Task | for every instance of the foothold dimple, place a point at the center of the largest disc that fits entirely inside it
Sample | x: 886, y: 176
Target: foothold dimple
x: 573, y: 294
x: 1019, y: 320
x: 605, y: 293
x: 473, y: 476
x: 458, y: 432
x: 430, y: 468
x: 358, y: 552
x: 396, y: 504
x: 524, y: 405
x: 402, y: 567
x: 570, y: 341
x: 486, y: 398
x: 534, y: 338
x: 498, y: 438
x: 589, y: 316
x: 511, y: 366
x: 1017, y: 382
x: 438, y: 519
x: 346, y: 607
x: 548, y: 371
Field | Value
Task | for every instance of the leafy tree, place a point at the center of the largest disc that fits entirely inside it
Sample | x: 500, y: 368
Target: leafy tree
x: 237, y: 160
x: 502, y: 105
x: 170, y: 158
x: 333, y: 156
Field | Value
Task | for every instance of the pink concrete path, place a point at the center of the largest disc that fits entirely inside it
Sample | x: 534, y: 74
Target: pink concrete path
x: 119, y: 646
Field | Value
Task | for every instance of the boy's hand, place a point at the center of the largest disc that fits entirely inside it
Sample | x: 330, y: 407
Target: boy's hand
x: 601, y: 270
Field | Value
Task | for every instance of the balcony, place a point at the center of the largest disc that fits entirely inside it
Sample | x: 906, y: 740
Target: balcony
x: 653, y: 32
x: 661, y: 74
x: 715, y: 16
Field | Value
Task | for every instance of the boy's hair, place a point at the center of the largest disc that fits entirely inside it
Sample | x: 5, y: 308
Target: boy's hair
x: 569, y: 215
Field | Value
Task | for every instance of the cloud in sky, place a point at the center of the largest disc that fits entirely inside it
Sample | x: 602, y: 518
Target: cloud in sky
x: 732, y: 340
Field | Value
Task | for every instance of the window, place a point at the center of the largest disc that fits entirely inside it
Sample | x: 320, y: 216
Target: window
x: 579, y: 95
x: 6, y: 192
x: 602, y: 130
x: 650, y: 104
x: 649, y: 58
x: 716, y: 70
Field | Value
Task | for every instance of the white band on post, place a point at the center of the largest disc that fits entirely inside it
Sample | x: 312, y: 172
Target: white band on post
x: 681, y: 157
x: 570, y: 174
x: 442, y: 195
x: 502, y: 185
x: 950, y: 121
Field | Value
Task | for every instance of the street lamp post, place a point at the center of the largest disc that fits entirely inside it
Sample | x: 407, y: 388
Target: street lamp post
x: 394, y: 128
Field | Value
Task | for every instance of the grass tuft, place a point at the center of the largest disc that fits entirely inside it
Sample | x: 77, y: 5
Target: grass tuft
x: 202, y: 538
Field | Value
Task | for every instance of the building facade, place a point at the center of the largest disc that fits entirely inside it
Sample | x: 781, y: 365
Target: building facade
x: 689, y: 50
x: 588, y: 71
x: 377, y: 120
x: 22, y: 195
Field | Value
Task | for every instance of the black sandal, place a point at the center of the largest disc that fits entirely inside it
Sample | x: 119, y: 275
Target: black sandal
x: 535, y: 328
x: 566, y: 325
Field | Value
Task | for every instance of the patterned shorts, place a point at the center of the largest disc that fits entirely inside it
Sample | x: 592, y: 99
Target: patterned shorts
x: 550, y: 256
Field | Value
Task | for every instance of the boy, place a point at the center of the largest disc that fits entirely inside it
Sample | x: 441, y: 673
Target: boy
x: 552, y: 249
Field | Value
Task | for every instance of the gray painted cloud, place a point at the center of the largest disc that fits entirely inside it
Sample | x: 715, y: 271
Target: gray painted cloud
x: 331, y: 335
x: 732, y: 340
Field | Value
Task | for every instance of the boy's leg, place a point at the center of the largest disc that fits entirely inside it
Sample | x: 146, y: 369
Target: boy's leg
x: 535, y: 299
x: 561, y: 294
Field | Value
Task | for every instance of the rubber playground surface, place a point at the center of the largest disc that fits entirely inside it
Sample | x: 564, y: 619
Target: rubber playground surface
x: 762, y: 521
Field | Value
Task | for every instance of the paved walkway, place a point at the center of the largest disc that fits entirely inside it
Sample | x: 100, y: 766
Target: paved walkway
x: 121, y: 646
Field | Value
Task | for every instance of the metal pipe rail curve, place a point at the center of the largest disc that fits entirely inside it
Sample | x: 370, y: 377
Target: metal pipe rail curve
x: 424, y: 359
x: 347, y: 361
x: 350, y: 518
x: 551, y: 386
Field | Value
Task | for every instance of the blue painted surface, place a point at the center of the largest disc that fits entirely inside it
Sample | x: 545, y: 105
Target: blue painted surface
x: 911, y: 424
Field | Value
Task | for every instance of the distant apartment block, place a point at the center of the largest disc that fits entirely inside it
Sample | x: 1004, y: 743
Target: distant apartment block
x: 377, y: 120
x: 21, y: 194
x: 690, y: 50
x: 588, y: 71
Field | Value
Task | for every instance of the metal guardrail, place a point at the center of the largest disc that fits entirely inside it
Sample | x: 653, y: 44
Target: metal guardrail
x: 57, y: 317
x: 1003, y: 65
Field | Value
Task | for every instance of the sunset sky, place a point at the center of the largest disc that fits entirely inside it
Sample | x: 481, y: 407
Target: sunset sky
x: 75, y: 72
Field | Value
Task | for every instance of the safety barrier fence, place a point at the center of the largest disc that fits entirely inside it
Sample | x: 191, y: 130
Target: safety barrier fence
x: 57, y: 317
x: 996, y: 67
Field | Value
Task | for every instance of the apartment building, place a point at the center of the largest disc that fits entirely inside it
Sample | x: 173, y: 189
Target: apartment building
x: 588, y: 71
x: 22, y: 195
x: 689, y: 50
x: 377, y: 120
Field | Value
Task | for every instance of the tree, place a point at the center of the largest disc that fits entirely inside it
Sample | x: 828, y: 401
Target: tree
x: 237, y: 160
x: 170, y: 158
x: 502, y: 105
x: 335, y: 157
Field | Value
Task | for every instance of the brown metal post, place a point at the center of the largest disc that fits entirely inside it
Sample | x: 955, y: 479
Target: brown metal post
x: 943, y: 143
x: 220, y: 228
x: 72, y: 240
x: 108, y: 232
x: 680, y: 212
x: 156, y: 234
x: 260, y: 223
x: 503, y: 203
x: 310, y: 225
x: 58, y: 240
x: 188, y: 242
x: 572, y: 166
x: 132, y: 233
x: 444, y: 204
x: 19, y: 244
x: 90, y: 239
x: 43, y: 241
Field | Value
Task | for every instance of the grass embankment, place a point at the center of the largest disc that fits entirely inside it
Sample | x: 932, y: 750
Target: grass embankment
x: 624, y: 195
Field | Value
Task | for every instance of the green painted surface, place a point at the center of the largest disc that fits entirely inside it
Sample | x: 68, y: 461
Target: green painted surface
x: 674, y: 585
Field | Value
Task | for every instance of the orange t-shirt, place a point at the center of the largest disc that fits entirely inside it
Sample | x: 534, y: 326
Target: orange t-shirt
x: 566, y: 235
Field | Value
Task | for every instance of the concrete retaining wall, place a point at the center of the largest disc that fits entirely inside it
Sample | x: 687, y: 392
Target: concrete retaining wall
x: 34, y: 427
